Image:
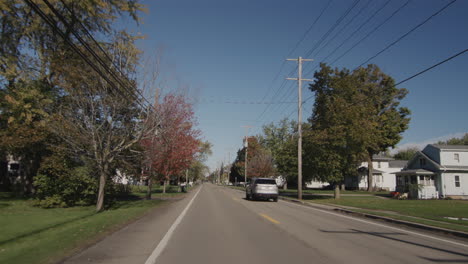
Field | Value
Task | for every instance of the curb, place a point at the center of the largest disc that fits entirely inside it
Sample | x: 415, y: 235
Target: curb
x: 434, y: 229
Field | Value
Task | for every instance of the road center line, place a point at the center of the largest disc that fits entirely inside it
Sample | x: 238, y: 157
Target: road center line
x: 381, y: 225
x: 269, y: 218
x: 163, y: 243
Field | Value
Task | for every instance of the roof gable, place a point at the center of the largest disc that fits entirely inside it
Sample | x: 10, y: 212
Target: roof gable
x: 414, y: 162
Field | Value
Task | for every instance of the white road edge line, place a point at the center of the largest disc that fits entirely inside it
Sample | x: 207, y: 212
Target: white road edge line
x: 163, y: 243
x: 381, y: 225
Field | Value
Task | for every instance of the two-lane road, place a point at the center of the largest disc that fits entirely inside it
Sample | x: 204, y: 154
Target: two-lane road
x: 215, y: 224
x: 222, y: 227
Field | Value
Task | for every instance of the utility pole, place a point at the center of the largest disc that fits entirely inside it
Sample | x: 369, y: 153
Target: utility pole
x: 246, y: 151
x: 299, y: 122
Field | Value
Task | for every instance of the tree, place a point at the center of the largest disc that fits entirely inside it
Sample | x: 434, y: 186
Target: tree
x: 173, y: 148
x: 281, y: 140
x: 34, y: 59
x: 385, y: 119
x: 456, y: 141
x: 198, y: 168
x: 259, y: 162
x: 356, y: 114
x: 406, y: 154
x: 23, y: 127
x: 95, y: 119
x: 261, y: 165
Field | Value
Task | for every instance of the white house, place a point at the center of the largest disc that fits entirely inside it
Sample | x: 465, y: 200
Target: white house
x: 436, y: 171
x: 384, y: 169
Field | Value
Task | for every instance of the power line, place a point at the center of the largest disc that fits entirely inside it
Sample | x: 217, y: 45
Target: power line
x: 332, y: 28
x: 372, y: 31
x: 432, y: 67
x: 409, y: 32
x: 309, y: 29
x: 322, y: 39
x: 292, y: 50
x: 53, y: 24
x: 345, y: 26
x: 97, y: 44
x: 414, y: 75
x: 354, y: 32
x: 91, y: 51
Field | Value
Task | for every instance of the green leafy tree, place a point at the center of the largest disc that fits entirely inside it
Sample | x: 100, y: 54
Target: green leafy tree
x: 198, y: 168
x: 23, y: 127
x: 34, y: 60
x: 406, y: 154
x: 455, y: 141
x: 281, y: 140
x: 356, y: 114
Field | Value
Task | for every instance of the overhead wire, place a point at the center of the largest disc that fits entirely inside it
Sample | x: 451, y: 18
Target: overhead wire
x: 289, y: 54
x: 408, y: 33
x: 355, y: 32
x: 103, y: 66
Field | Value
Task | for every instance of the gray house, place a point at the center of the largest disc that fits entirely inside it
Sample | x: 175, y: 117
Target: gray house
x: 437, y: 171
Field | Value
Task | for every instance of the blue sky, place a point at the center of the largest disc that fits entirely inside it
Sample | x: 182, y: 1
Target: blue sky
x: 228, y: 54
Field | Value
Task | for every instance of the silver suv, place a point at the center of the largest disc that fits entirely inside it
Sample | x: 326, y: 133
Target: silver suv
x: 262, y: 188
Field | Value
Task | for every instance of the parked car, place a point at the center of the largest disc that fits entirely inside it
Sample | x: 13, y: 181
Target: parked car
x: 262, y: 188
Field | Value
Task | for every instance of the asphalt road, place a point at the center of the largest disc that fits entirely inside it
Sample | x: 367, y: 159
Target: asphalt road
x: 219, y: 226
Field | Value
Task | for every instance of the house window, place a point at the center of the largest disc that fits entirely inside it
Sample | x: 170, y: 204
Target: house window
x: 457, y: 181
x: 378, y: 165
x: 456, y: 156
x: 426, y: 180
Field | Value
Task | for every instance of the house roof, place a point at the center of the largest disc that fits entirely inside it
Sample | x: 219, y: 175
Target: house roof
x: 450, y: 147
x: 397, y: 163
x: 379, y: 157
x: 414, y: 172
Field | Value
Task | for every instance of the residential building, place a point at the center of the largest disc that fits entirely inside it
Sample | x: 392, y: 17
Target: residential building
x: 436, y: 171
x: 383, y: 174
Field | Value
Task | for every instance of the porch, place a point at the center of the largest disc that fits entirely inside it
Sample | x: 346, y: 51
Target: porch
x: 418, y: 183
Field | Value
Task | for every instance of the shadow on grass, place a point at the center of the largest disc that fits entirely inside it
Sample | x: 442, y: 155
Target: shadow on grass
x: 307, y: 196
x: 3, y: 205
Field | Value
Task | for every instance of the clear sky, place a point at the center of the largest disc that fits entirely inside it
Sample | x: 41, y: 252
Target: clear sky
x: 231, y: 56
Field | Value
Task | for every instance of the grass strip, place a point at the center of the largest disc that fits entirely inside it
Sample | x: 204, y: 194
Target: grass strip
x: 428, y: 222
x: 34, y: 235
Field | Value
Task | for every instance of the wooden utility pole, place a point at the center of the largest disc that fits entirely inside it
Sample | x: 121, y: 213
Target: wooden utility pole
x: 246, y: 144
x: 299, y: 122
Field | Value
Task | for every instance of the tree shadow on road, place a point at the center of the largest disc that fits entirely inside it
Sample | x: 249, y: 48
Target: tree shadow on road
x: 388, y: 236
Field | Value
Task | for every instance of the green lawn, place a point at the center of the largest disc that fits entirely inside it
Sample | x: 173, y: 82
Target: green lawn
x: 427, y: 209
x: 34, y: 235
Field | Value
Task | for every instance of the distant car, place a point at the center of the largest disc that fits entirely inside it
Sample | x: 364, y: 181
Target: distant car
x: 262, y: 188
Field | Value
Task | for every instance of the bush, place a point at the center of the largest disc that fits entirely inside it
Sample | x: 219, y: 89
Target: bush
x: 62, y: 182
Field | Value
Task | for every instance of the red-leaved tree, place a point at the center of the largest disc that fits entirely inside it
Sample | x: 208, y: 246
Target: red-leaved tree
x: 171, y: 149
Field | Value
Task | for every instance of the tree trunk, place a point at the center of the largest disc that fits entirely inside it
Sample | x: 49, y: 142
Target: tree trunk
x: 337, y: 191
x: 102, y: 185
x: 342, y: 186
x: 164, y: 186
x: 370, y: 172
x: 150, y: 187
x: 285, y: 186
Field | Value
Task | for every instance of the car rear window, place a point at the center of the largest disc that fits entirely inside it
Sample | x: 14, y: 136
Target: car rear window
x: 265, y: 181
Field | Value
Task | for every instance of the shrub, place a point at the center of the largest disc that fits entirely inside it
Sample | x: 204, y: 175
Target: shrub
x: 63, y: 182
